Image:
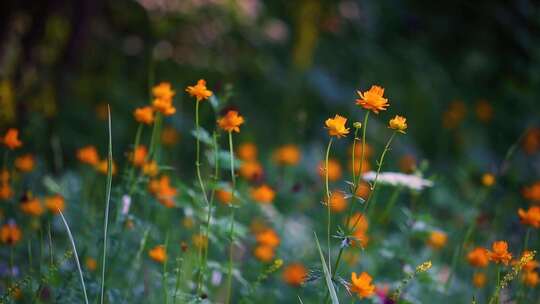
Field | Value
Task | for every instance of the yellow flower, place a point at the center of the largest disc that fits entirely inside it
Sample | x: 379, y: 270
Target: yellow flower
x: 25, y: 163
x: 144, y: 115
x: 336, y: 126
x: 361, y: 285
x: 231, y: 122
x: 373, y: 99
x: 11, y: 139
x: 488, y: 179
x: 158, y: 254
x: 398, y: 123
x: 199, y: 91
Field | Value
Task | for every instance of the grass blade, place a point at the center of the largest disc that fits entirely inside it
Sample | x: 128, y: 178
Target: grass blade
x: 76, y: 255
x: 107, y: 201
x: 327, y: 275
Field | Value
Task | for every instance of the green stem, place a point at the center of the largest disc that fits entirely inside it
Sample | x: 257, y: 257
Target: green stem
x: 165, y: 275
x: 390, y: 204
x: 328, y: 218
x: 231, y: 230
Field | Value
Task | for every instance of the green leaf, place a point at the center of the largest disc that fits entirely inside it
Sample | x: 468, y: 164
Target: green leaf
x: 327, y: 276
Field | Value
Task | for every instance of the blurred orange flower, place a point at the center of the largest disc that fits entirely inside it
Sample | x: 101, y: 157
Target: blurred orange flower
x: 103, y: 167
x: 287, y: 155
x: 334, y: 169
x: 365, y: 166
x: 264, y: 253
x: 91, y: 263
x: 484, y: 111
x: 338, y: 203
x: 499, y: 253
x: 454, y: 115
x: 294, y: 274
x: 5, y: 191
x: 407, y: 163
x: 158, y: 254
x: 437, y: 239
x: 247, y: 151
x: 263, y: 194
x: 163, y: 95
x: 150, y: 168
x: 224, y: 196
x: 25, y: 163
x: 398, y: 123
x: 88, y: 155
x: 531, y: 278
x: 199, y: 91
x: 479, y: 279
x: 531, y: 141
x: 373, y: 99
x: 231, y: 122
x: 268, y: 237
x: 11, y: 139
x: 478, y: 257
x: 10, y: 234
x: 55, y: 203
x: 488, y: 179
x: 32, y: 206
x: 530, y: 217
x: 144, y: 115
x: 138, y: 156
x: 336, y: 126
x: 169, y: 136
x: 251, y: 170
x: 162, y: 191
x: 532, y: 193
x: 363, y: 190
x: 361, y: 285
x: 368, y: 150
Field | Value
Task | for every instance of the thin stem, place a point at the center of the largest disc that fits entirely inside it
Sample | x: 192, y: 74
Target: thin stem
x: 165, y: 274
x: 178, y: 273
x: 231, y: 231
x: 107, y: 201
x: 328, y: 218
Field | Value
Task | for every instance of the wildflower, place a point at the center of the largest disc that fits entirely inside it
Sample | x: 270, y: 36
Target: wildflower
x: 368, y: 150
x: 478, y: 257
x: 268, y: 237
x: 4, y: 176
x: 454, y: 115
x: 163, y: 91
x: 499, y: 253
x: 158, y: 254
x: 338, y: 203
x: 359, y: 164
x: 407, y: 164
x: 361, y: 285
x: 32, y: 206
x: 294, y: 274
x: 11, y: 139
x: 138, y: 157
x: 488, y: 179
x: 91, y: 263
x: 169, y: 136
x: 531, y: 278
x: 247, y: 151
x: 360, y: 238
x: 363, y: 190
x: 531, y: 141
x: 55, y: 203
x: 360, y: 220
x: 251, y: 170
x: 530, y: 217
x: 163, y: 95
x: 88, y: 155
x: 530, y: 264
x: 162, y: 190
x: 484, y: 111
x: 373, y: 99
x: 150, y: 168
x: 437, y: 239
x: 398, y: 123
x: 263, y: 194
x: 479, y: 279
x: 334, y: 169
x: 199, y: 91
x: 532, y: 193
x: 224, y: 196
x: 287, y: 155
x: 231, y: 122
x: 336, y: 126
x: 199, y: 241
x: 144, y: 115
x: 423, y: 267
x: 410, y: 181
x: 5, y: 191
x: 25, y: 163
x: 264, y: 253
x: 10, y: 234
x: 103, y: 167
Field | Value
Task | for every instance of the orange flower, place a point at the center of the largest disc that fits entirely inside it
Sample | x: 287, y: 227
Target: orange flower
x: 478, y: 257
x: 361, y: 285
x: 162, y: 190
x: 363, y: 190
x: 163, y: 95
x: 407, y: 163
x: 360, y: 220
x: 11, y: 139
x: 373, y: 99
x: 169, y: 136
x: 530, y: 217
x: 199, y: 91
x: 398, y: 123
x: 55, y: 203
x: 25, y: 163
x: 32, y: 207
x: 268, y: 237
x: 294, y: 274
x: 499, y: 253
x: 368, y: 150
x: 163, y: 90
x: 361, y: 238
x: 532, y: 193
x: 88, y: 155
x: 488, y: 179
x: 5, y: 191
x: 484, y: 111
x: 138, y: 157
x: 251, y: 170
x: 531, y: 278
x: 4, y: 176
x: 455, y: 114
x: 144, y: 115
x: 437, y: 239
x: 479, y: 279
x: 263, y: 194
x: 531, y: 141
x: 224, y: 196
x: 338, y: 203
x: 158, y: 254
x: 91, y: 263
x: 10, y: 234
x: 334, y: 170
x: 103, y: 167
x: 264, y: 253
x: 336, y: 126
x: 247, y: 151
x: 150, y: 168
x: 287, y: 155
x: 231, y: 122
x: 365, y: 166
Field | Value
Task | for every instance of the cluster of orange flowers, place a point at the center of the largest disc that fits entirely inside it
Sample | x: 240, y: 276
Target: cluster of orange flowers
x: 162, y: 190
x: 5, y: 189
x: 33, y: 206
x: 90, y: 156
x: 267, y: 240
x: 361, y: 238
x: 530, y: 217
x: 250, y: 168
x: 139, y: 159
x: 11, y: 141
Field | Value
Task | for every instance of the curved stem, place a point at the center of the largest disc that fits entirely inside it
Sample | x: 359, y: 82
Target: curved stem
x: 231, y: 230
x: 328, y: 218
